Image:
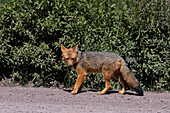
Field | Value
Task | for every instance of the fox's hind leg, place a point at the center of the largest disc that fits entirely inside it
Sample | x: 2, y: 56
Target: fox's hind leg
x: 124, y: 86
x: 107, y: 79
x: 81, y: 87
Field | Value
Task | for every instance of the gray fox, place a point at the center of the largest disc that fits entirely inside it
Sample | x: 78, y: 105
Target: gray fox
x: 108, y: 63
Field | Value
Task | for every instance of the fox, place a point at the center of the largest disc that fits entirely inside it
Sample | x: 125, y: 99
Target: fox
x: 110, y: 64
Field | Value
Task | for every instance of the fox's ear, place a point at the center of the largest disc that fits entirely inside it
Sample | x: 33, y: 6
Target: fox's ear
x: 75, y: 48
x: 63, y: 48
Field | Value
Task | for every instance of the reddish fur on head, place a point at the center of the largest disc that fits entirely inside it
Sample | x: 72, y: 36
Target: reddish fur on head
x: 69, y: 55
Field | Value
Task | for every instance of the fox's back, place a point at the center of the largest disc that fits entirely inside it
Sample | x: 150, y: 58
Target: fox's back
x: 94, y: 61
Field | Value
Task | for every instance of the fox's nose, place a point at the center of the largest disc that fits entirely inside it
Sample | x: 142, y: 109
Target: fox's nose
x: 69, y: 66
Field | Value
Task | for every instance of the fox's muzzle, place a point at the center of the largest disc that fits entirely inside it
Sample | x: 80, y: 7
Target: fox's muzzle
x: 69, y: 66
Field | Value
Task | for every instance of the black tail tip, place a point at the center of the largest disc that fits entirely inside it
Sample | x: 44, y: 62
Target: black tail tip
x: 139, y: 90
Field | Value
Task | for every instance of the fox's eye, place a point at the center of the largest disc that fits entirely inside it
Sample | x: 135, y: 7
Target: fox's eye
x: 67, y: 58
x: 72, y: 59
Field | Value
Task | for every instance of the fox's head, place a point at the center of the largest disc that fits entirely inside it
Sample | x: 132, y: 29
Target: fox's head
x: 70, y: 56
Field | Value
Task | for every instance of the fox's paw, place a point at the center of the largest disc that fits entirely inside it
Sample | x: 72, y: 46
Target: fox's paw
x: 100, y: 92
x: 74, y: 92
x: 121, y: 92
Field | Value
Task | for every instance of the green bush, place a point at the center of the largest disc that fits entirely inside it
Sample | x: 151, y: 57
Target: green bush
x: 31, y: 33
x: 32, y: 63
x: 151, y: 29
x: 3, y: 1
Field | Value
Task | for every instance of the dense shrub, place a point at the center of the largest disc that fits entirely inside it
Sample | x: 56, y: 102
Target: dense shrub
x: 31, y: 32
x: 151, y: 29
x: 3, y: 2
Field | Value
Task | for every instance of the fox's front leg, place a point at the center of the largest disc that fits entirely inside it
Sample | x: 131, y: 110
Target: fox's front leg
x: 79, y: 81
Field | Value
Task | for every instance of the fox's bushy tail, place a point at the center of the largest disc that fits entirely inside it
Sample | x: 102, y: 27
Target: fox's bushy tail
x: 130, y: 78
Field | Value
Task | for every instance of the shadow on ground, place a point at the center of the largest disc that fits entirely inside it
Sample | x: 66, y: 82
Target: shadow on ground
x: 108, y: 93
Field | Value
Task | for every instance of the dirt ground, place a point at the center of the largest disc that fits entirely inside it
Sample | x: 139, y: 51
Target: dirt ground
x: 48, y: 100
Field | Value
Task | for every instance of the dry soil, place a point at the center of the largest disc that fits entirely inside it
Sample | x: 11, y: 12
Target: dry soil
x: 48, y: 100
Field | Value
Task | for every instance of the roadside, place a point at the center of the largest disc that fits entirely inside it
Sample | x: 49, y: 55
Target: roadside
x: 47, y: 100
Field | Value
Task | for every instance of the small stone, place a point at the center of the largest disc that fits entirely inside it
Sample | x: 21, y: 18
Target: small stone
x: 164, y: 106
